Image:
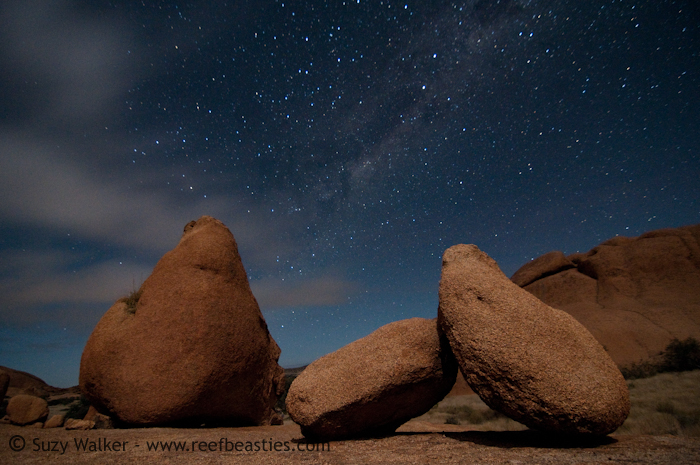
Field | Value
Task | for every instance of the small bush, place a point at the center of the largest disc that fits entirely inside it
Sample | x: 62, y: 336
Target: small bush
x: 452, y: 420
x: 78, y: 409
x: 678, y: 356
x: 639, y: 370
x: 681, y: 355
x: 282, y: 400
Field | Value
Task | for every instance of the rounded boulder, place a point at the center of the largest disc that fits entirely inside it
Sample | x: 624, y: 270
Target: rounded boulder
x: 24, y: 409
x: 531, y: 362
x: 191, y: 346
x: 375, y: 384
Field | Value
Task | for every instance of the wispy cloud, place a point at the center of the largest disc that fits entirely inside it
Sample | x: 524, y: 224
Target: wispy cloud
x: 274, y: 294
x: 72, y: 64
x: 46, y: 190
x: 41, y: 187
x: 57, y: 277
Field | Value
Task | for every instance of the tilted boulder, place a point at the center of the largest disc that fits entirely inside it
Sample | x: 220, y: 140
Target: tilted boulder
x: 56, y: 421
x: 531, y: 362
x: 23, y: 409
x: 191, y: 346
x: 375, y: 384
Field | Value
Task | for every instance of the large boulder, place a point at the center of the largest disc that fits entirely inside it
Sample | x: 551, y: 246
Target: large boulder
x: 633, y: 294
x: 25, y: 409
x: 375, y: 384
x: 531, y: 362
x: 191, y: 346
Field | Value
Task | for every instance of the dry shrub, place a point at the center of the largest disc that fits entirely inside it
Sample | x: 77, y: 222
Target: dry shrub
x: 652, y: 423
x: 682, y: 355
x: 678, y: 356
x: 78, y: 408
x: 282, y: 400
x: 639, y: 370
x: 668, y: 403
x: 131, y: 300
x: 472, y: 411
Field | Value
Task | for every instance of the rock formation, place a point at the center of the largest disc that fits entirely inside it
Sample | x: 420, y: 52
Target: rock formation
x: 26, y: 410
x: 633, y: 294
x: 191, y: 346
x: 546, y: 265
x: 373, y: 385
x: 529, y: 361
x: 21, y: 382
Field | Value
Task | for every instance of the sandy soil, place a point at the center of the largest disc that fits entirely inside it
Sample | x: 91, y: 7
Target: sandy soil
x: 417, y: 442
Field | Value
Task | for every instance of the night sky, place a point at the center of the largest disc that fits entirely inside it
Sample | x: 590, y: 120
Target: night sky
x: 345, y: 144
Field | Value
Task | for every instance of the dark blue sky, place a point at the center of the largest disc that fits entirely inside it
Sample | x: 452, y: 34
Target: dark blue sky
x: 345, y: 144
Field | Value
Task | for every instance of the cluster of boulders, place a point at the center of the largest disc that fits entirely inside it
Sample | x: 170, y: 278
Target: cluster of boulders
x: 28, y: 406
x: 190, y: 346
x: 531, y: 362
x: 32, y: 411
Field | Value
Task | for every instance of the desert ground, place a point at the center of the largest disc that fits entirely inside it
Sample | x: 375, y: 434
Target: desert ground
x: 663, y: 427
x: 414, y: 443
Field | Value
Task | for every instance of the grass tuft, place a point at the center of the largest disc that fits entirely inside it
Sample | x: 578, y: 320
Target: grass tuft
x: 131, y: 300
x: 471, y: 415
x: 668, y: 403
x: 469, y: 410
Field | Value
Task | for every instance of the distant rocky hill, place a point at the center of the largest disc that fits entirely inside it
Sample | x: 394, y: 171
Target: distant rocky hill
x: 294, y: 372
x: 633, y: 294
x: 25, y: 383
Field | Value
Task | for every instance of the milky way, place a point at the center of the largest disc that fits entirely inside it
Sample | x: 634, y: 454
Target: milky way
x: 345, y: 144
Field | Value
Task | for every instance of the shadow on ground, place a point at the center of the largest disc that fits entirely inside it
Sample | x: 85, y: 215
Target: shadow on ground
x: 530, y: 438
